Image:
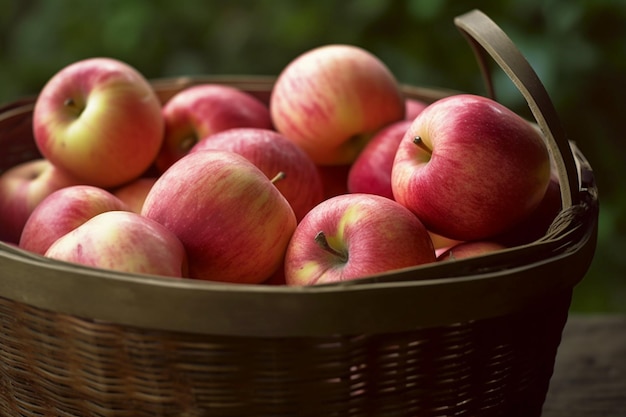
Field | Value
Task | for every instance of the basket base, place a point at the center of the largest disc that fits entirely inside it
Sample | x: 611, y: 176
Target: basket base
x: 59, y: 365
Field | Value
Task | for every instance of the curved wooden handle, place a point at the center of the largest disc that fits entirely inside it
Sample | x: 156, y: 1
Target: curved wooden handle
x: 488, y: 40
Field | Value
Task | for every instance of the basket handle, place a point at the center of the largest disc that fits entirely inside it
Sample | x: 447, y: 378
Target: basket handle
x: 487, y: 39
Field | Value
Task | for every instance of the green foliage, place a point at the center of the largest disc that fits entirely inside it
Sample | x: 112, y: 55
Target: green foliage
x: 577, y: 49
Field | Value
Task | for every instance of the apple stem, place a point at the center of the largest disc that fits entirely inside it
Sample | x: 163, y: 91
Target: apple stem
x: 73, y: 105
x: 320, y: 239
x: 419, y: 142
x: 187, y: 143
x: 280, y: 176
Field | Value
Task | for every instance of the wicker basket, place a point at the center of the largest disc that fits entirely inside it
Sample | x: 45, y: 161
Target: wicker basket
x: 477, y: 337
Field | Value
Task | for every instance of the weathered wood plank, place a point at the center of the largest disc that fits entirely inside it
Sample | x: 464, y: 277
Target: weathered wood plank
x: 590, y: 372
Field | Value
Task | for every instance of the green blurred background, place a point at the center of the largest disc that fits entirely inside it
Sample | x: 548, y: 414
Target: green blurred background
x: 578, y: 49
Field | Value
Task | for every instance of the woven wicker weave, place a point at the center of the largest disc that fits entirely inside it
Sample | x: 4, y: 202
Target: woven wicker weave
x: 55, y: 364
x: 472, y: 338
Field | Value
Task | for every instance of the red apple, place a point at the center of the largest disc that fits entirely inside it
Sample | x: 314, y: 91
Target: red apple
x: 352, y: 236
x: 233, y: 221
x: 272, y: 153
x: 201, y: 110
x: 371, y: 171
x: 122, y: 241
x: 413, y: 107
x: 100, y: 120
x: 464, y: 250
x: 135, y: 192
x: 331, y: 99
x: 22, y: 188
x: 63, y: 211
x: 470, y: 168
x: 442, y: 243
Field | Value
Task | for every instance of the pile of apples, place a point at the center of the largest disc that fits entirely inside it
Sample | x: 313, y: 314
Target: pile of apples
x: 337, y: 176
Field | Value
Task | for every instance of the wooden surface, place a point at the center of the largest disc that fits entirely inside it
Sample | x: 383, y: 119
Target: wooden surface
x: 590, y: 372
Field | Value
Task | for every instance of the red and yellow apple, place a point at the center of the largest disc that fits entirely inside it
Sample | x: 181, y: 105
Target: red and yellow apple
x: 201, y: 110
x: 331, y: 99
x: 469, y: 249
x: 122, y: 241
x: 470, y: 168
x: 371, y: 171
x: 100, y: 120
x: 272, y: 153
x: 63, y: 211
x: 413, y: 107
x: 441, y: 243
x: 352, y: 236
x: 22, y: 188
x: 134, y: 193
x: 233, y: 221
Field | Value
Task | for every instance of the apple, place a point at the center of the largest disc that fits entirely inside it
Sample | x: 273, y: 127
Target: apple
x: 470, y: 168
x: 122, y: 241
x: 331, y: 99
x: 134, y: 193
x: 233, y: 221
x: 469, y: 249
x: 413, y: 107
x: 371, y: 171
x: 22, y: 188
x: 201, y: 110
x: 441, y: 243
x: 63, y: 211
x: 352, y: 236
x: 100, y: 120
x: 272, y: 153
